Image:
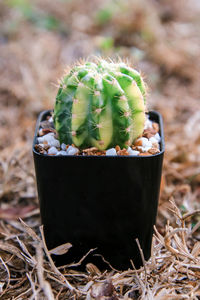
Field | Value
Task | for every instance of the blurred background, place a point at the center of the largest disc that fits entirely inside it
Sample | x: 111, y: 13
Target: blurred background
x: 38, y: 39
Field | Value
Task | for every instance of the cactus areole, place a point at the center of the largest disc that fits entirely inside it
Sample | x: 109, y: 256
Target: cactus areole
x: 100, y: 105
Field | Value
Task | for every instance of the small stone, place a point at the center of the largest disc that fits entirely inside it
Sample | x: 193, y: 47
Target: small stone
x: 111, y: 152
x: 148, y: 124
x: 41, y: 132
x: 143, y: 149
x: 138, y: 142
x: 45, y: 137
x: 50, y: 119
x: 148, y: 133
x: 123, y: 152
x: 117, y: 148
x: 157, y: 137
x: 59, y: 153
x: 144, y: 142
x: 147, y: 144
x: 52, y: 151
x: 41, y: 145
x: 63, y: 146
x: 69, y: 148
x: 48, y: 130
x: 54, y: 142
x: 46, y: 147
x: 49, y: 139
x: 155, y: 127
x: 132, y: 152
x: 45, y: 124
x: 154, y: 142
x: 39, y: 148
x: 154, y: 151
x: 40, y: 140
x: 72, y: 150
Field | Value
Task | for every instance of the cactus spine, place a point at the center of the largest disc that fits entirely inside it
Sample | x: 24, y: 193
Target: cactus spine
x: 100, y: 104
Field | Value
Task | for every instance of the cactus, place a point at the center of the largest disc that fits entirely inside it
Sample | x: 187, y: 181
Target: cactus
x: 100, y: 104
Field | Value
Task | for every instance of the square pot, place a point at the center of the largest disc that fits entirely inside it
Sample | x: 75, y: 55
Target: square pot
x: 102, y: 202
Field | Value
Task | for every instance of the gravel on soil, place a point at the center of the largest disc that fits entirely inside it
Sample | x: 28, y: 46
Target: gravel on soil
x: 48, y: 143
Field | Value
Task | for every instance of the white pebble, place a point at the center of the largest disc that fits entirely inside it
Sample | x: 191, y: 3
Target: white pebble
x: 69, y: 148
x: 40, y: 132
x: 132, y: 152
x: 41, y: 145
x: 148, y: 124
x: 148, y: 144
x: 157, y: 137
x: 40, y: 140
x: 51, y: 120
x: 145, y: 142
x: 153, y: 140
x: 72, y: 150
x: 144, y: 149
x: 49, y: 139
x: 143, y: 139
x: 63, y: 146
x: 61, y: 152
x: 111, y: 152
x: 54, y: 142
x: 45, y: 137
x: 52, y: 150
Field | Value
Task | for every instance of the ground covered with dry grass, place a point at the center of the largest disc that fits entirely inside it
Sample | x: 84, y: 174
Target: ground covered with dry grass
x: 37, y: 40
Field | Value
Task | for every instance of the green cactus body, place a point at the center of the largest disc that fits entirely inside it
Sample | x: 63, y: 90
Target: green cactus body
x: 100, y: 104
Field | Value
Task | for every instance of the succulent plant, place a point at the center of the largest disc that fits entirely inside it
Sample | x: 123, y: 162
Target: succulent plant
x: 100, y: 104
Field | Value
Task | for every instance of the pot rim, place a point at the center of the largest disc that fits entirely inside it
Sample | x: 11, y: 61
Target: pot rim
x: 162, y: 142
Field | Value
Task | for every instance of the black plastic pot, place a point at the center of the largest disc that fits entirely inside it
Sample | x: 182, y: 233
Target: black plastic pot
x: 99, y: 202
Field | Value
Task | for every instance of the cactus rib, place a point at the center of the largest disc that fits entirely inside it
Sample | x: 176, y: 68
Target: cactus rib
x: 100, y: 104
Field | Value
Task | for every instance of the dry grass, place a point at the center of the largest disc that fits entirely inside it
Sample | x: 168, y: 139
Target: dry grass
x: 173, y: 272
x: 163, y: 39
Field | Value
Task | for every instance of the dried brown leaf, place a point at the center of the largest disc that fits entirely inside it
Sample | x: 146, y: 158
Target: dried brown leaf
x: 60, y: 250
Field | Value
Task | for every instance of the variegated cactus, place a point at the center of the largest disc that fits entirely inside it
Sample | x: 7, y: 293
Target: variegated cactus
x: 100, y: 104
